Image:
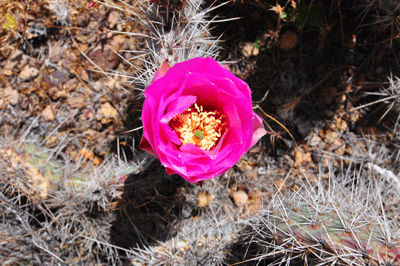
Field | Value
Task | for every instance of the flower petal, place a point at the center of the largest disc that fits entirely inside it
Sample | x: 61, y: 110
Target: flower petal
x: 258, y: 129
x: 162, y: 70
x: 205, y: 82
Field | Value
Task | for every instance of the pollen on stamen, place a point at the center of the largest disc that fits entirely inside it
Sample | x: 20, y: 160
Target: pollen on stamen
x: 197, y: 121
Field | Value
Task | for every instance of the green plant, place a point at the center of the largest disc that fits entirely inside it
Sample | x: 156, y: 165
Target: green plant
x: 331, y: 234
x: 176, y: 35
x: 336, y: 225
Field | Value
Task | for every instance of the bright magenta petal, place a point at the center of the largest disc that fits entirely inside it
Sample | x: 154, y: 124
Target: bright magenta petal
x: 205, y: 82
x: 258, y: 130
x: 162, y: 70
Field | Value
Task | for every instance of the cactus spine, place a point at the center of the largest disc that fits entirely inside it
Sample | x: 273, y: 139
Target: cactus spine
x: 338, y: 227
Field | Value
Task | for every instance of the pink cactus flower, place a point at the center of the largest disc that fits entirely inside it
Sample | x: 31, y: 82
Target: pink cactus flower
x: 198, y: 119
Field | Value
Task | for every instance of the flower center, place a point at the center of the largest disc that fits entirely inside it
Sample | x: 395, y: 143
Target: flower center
x: 199, y: 126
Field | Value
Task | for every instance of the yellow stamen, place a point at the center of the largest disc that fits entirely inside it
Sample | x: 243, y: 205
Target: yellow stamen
x: 199, y: 126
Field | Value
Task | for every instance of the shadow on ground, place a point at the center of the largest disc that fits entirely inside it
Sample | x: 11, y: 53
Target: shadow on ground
x: 150, y: 205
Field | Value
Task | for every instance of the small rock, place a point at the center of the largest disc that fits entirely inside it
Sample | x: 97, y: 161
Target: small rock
x: 240, y: 198
x: 314, y: 140
x: 13, y: 61
x: 93, y: 25
x: 7, y: 72
x: 204, y: 199
x: 244, y: 165
x: 96, y: 85
x: 11, y: 96
x: 107, y: 113
x: 82, y: 20
x: 340, y: 124
x: 71, y: 84
x: 255, y: 150
x: 65, y: 64
x: 85, y: 154
x: 301, y: 157
x: 55, y: 93
x: 76, y: 102
x: 104, y: 57
x: 92, y: 38
x: 117, y: 42
x: 249, y: 49
x: 330, y: 136
x: 181, y: 245
x: 22, y: 61
x: 82, y: 73
x: 70, y: 56
x: 56, y: 52
x: 47, y: 114
x: 82, y: 38
x: 57, y: 77
x: 134, y: 263
x: 28, y: 73
x: 113, y: 18
x: 14, y: 97
x: 338, y: 146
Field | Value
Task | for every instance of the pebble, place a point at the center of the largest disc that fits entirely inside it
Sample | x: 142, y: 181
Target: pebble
x: 28, y: 73
x: 71, y: 84
x: 47, y: 114
x: 11, y: 96
x: 76, y: 102
x: 17, y: 59
x: 314, y: 140
x: 301, y: 157
x: 56, y: 53
x: 82, y: 20
x: 240, y: 198
x: 14, y: 97
x: 107, y: 113
x: 113, y: 18
x: 117, y: 42
x: 249, y: 49
x: 57, y: 77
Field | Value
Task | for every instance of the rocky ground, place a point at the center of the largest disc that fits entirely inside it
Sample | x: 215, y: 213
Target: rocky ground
x: 75, y: 188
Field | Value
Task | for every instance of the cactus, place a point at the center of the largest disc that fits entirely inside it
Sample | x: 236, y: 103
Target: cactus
x: 319, y: 226
x: 390, y: 97
x: 63, y: 210
x: 382, y: 15
x: 176, y: 34
x: 200, y: 242
x: 50, y: 203
x: 59, y: 212
x: 330, y: 235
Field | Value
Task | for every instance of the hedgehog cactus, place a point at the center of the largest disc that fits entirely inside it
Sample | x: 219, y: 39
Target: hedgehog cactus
x: 41, y: 171
x: 179, y: 31
x: 320, y: 226
x: 382, y: 16
x: 332, y: 235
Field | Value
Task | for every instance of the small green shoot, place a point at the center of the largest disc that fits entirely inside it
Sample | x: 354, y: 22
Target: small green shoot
x: 257, y: 43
